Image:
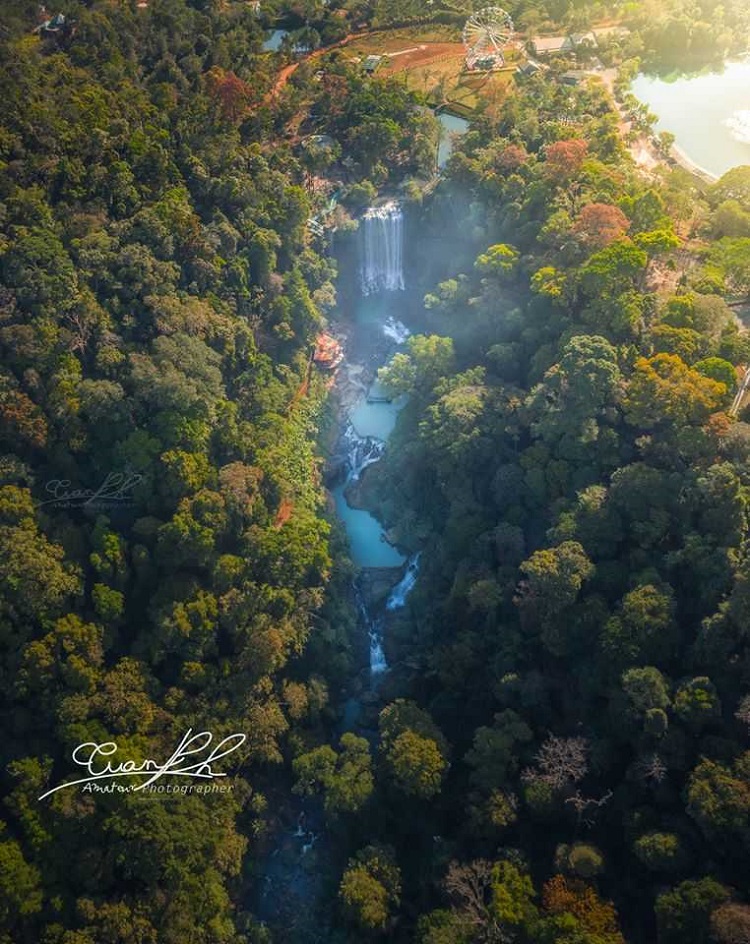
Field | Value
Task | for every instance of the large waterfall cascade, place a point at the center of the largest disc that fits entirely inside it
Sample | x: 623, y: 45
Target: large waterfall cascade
x: 382, y: 230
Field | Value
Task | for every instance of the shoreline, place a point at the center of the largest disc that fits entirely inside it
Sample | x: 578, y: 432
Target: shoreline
x: 644, y: 152
x: 677, y: 153
x: 680, y: 157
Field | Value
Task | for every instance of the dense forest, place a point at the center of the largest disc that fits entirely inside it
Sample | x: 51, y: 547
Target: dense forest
x: 163, y: 540
x: 578, y: 632
x: 561, y: 753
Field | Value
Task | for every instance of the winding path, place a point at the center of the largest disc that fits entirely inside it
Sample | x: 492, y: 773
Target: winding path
x: 288, y: 71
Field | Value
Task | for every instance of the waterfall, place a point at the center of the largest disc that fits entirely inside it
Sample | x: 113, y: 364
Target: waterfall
x: 403, y: 588
x: 382, y: 245
x: 396, y: 599
x: 378, y: 665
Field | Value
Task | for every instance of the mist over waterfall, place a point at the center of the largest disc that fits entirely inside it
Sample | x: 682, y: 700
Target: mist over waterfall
x: 382, y: 249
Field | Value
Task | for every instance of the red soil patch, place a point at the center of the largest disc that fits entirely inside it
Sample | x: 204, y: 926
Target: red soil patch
x: 421, y: 57
x: 284, y: 513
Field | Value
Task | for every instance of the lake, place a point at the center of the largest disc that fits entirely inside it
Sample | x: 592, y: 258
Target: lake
x: 709, y: 114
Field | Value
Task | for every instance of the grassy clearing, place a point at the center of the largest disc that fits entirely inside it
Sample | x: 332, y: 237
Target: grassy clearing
x: 446, y: 82
x: 437, y: 70
x: 394, y: 40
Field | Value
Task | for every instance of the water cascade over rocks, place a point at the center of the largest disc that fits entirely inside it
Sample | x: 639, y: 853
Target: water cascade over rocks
x: 403, y: 588
x: 396, y: 600
x: 395, y: 330
x: 382, y: 234
x: 381, y: 271
x: 362, y: 451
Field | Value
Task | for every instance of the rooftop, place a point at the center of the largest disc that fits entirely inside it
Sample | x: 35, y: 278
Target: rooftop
x: 588, y: 37
x: 548, y: 44
x: 372, y: 62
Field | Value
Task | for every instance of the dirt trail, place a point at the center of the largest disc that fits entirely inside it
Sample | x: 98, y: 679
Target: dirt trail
x: 288, y: 71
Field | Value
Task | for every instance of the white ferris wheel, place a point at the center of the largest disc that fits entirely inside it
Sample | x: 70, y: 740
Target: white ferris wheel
x: 486, y: 35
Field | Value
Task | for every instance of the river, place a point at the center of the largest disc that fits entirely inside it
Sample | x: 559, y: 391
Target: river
x: 290, y: 879
x: 376, y: 332
x: 708, y: 114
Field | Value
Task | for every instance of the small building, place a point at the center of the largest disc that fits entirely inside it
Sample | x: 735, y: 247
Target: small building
x: 584, y: 39
x: 572, y: 77
x: 529, y: 68
x: 552, y: 45
x: 372, y: 63
x: 53, y: 27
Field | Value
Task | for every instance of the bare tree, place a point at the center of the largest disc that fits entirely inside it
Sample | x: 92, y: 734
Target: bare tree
x: 586, y: 807
x: 743, y: 710
x: 651, y: 768
x: 470, y: 888
x: 81, y: 326
x: 560, y: 761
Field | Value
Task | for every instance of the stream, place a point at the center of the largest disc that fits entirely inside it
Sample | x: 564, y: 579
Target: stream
x: 371, y: 415
x: 291, y: 877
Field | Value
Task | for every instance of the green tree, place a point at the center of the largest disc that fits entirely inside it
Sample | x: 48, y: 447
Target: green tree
x: 663, y: 390
x: 552, y: 580
x: 683, y: 913
x: 345, y: 777
x: 20, y: 887
x: 370, y: 888
x: 413, y: 749
x: 416, y: 764
x: 647, y: 689
x: 660, y: 852
x: 500, y: 261
x: 697, y: 702
x: 429, y: 359
x: 719, y: 797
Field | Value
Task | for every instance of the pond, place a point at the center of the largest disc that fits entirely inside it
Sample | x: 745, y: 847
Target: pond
x: 273, y: 43
x: 366, y: 539
x: 452, y: 124
x: 708, y: 114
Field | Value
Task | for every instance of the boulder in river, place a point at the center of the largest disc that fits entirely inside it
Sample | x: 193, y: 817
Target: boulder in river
x: 376, y: 583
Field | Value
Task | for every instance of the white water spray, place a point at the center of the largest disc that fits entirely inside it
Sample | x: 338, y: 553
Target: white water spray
x: 395, y: 330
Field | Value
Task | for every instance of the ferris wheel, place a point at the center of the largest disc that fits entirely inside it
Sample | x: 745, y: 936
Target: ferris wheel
x: 486, y: 34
